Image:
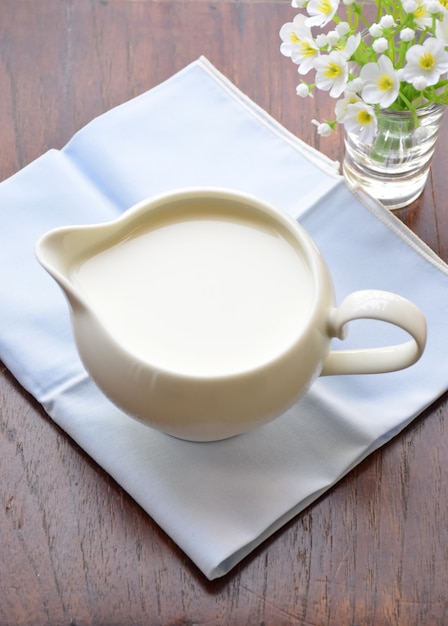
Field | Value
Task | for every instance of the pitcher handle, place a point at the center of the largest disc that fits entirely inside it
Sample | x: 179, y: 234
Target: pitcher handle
x: 378, y: 305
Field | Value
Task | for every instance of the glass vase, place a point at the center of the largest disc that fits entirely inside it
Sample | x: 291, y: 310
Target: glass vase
x: 393, y: 168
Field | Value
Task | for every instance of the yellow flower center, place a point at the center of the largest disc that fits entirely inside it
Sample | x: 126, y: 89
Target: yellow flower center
x: 293, y: 38
x: 384, y: 83
x: 364, y: 117
x: 444, y: 3
x: 307, y: 50
x: 427, y: 61
x: 325, y: 7
x: 420, y: 11
x: 333, y: 70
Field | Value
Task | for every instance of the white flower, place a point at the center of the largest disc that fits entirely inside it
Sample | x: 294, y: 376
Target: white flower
x: 305, y: 54
x: 343, y: 28
x: 380, y: 45
x: 333, y: 37
x: 375, y: 30
x: 292, y: 34
x: 341, y: 105
x: 422, y: 17
x: 409, y: 6
x: 381, y: 84
x: 402, y: 63
x: 332, y: 72
x: 321, y: 11
x: 433, y: 6
x: 356, y: 84
x: 303, y: 90
x: 323, y: 129
x: 420, y: 83
x: 407, y: 34
x: 428, y: 60
x: 321, y: 40
x: 361, y: 119
x: 332, y: 69
x: 351, y: 45
x: 442, y: 29
x: 387, y: 21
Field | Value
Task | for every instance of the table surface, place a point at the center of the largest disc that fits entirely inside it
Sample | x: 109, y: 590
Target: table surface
x: 75, y: 548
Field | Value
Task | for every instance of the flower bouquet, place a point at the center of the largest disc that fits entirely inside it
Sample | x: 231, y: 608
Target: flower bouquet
x: 384, y: 61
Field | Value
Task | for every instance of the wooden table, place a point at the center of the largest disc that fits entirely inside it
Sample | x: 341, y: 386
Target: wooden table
x: 75, y: 548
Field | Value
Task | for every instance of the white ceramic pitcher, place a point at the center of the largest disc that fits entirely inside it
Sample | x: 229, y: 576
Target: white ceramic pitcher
x: 206, y: 312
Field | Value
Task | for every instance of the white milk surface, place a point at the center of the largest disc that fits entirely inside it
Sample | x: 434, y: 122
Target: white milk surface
x: 203, y: 296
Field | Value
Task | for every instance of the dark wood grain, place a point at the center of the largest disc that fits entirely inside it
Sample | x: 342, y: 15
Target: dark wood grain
x: 75, y: 549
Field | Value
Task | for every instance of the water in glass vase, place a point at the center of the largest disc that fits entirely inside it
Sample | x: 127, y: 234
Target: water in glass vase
x: 395, y: 166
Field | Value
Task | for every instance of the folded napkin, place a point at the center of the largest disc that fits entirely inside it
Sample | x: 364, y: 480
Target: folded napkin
x: 216, y: 500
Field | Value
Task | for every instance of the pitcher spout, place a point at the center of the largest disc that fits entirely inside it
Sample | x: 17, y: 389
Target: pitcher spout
x: 57, y: 251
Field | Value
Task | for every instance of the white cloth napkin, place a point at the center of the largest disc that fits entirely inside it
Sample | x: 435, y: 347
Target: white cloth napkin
x: 216, y: 500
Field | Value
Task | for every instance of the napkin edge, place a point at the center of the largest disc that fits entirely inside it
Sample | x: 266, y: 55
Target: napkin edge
x: 330, y: 166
